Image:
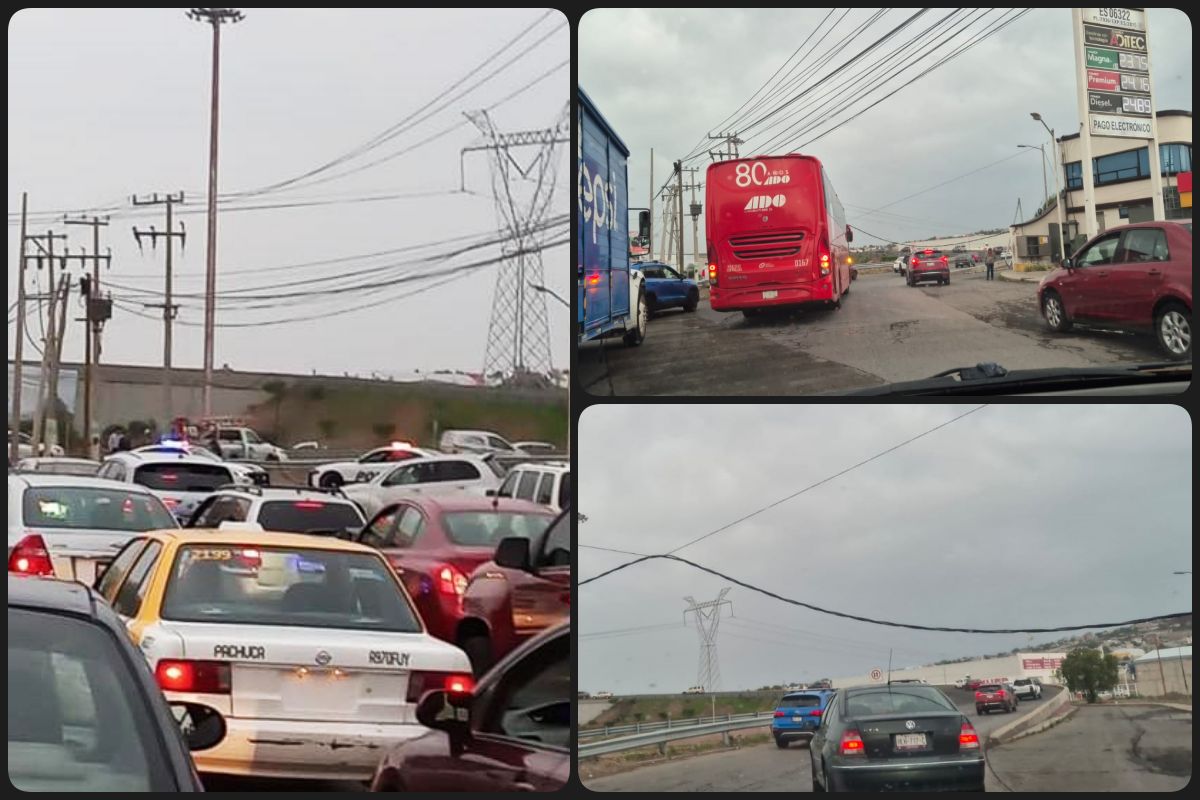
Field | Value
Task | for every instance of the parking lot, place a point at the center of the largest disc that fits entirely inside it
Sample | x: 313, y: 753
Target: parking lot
x: 884, y: 332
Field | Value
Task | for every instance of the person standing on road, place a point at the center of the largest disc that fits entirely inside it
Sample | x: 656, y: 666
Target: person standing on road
x: 990, y: 260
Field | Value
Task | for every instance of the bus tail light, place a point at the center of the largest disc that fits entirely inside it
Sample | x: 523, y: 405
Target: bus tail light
x: 824, y: 258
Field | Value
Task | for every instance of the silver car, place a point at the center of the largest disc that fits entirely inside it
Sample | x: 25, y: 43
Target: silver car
x: 443, y: 474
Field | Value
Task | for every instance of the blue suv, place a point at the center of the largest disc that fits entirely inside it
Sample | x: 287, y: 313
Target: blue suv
x: 666, y: 288
x: 798, y: 715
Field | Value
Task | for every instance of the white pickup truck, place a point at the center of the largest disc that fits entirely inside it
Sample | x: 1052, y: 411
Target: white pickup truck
x: 243, y: 443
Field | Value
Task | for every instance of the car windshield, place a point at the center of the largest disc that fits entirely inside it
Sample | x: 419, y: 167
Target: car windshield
x: 800, y: 701
x: 487, y: 528
x: 303, y: 516
x: 897, y: 700
x: 78, y: 720
x: 250, y: 585
x: 182, y: 476
x: 84, y: 508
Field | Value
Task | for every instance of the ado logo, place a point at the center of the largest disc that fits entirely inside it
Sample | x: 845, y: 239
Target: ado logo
x: 761, y: 202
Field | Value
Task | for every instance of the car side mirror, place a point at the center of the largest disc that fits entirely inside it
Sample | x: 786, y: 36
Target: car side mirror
x: 1068, y: 264
x: 513, y: 552
x: 447, y: 713
x: 202, y: 727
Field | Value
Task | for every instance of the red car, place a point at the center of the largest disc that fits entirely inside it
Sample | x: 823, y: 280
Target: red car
x: 995, y: 695
x: 511, y: 733
x: 1135, y: 277
x: 523, y: 590
x: 435, y: 542
x: 928, y: 265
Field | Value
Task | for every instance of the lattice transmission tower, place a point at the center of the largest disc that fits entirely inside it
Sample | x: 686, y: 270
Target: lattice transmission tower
x: 708, y: 618
x: 518, y: 345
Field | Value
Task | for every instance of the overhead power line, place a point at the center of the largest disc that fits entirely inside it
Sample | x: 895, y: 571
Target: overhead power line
x: 886, y: 623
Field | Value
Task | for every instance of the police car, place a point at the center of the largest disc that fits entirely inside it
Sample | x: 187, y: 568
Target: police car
x: 366, y: 466
x: 181, y: 480
x: 308, y: 649
x: 242, y: 472
x: 285, y: 509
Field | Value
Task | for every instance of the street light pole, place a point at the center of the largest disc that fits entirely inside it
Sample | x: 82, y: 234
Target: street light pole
x: 1058, y: 201
x: 537, y: 287
x: 1042, y: 148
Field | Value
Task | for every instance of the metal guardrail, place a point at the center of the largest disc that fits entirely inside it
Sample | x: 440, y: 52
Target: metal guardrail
x: 666, y: 735
x: 609, y: 731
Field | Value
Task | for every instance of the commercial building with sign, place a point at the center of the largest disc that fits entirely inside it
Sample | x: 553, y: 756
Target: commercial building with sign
x: 1007, y: 668
x: 1123, y: 191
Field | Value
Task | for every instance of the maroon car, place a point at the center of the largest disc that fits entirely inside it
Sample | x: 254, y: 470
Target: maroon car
x: 1136, y: 277
x: 928, y: 265
x: 511, y: 734
x: 435, y: 542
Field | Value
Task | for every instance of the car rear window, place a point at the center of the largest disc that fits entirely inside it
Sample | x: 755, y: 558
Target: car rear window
x: 801, y: 701
x: 989, y: 687
x: 1022, y: 682
x: 80, y: 508
x: 897, y: 700
x: 928, y: 254
x: 304, y: 516
x: 249, y: 585
x: 182, y: 477
x: 487, y: 528
x: 77, y: 718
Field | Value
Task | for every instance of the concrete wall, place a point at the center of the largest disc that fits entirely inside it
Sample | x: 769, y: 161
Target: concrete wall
x: 1176, y: 671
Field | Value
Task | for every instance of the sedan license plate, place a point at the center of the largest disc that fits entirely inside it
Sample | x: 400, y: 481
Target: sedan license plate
x: 796, y: 718
x: 910, y: 741
x: 770, y: 295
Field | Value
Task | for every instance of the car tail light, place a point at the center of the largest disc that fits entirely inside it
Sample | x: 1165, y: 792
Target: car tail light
x: 456, y: 683
x: 968, y: 739
x: 308, y: 504
x: 779, y: 714
x: 852, y: 744
x: 30, y: 557
x: 816, y: 712
x: 915, y: 261
x: 945, y: 259
x: 451, y: 582
x: 202, y: 677
x: 1001, y: 693
x: 249, y: 558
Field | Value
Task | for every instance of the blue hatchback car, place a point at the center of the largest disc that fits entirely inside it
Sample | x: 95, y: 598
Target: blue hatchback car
x: 666, y: 288
x: 798, y: 714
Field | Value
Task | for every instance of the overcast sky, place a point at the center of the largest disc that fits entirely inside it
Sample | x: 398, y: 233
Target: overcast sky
x: 1013, y: 516
x: 106, y: 103
x: 664, y: 78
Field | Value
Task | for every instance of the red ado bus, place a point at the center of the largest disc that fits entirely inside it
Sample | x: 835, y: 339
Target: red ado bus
x: 776, y: 234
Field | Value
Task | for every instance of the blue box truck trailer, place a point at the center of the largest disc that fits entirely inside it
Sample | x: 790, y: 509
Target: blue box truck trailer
x: 611, y: 296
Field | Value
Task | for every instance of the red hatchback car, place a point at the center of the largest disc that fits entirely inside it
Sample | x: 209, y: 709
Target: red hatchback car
x: 1135, y: 277
x: 512, y: 733
x: 928, y: 265
x: 434, y: 543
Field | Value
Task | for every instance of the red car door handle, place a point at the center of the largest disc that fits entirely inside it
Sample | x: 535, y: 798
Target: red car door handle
x: 1154, y: 272
x: 1102, y: 274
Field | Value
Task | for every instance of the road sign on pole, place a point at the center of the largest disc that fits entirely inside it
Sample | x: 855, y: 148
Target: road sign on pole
x: 877, y: 674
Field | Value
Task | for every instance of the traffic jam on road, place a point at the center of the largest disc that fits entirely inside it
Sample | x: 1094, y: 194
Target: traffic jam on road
x: 784, y: 279
x: 404, y: 627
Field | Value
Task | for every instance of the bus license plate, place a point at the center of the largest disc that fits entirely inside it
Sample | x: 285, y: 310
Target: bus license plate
x: 770, y: 295
x: 910, y: 741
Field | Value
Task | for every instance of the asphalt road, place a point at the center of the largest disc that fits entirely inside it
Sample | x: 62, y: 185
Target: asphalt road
x: 884, y: 332
x: 1098, y: 748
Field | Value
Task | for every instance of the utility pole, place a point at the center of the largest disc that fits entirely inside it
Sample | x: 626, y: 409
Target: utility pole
x: 650, y: 238
x: 679, y: 191
x: 14, y: 445
x: 216, y: 17
x: 92, y: 325
x: 39, y: 413
x: 61, y: 334
x: 708, y: 618
x: 731, y: 142
x: 169, y: 308
x: 695, y: 215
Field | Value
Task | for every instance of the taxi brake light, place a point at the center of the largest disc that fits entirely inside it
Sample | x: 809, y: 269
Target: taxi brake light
x: 202, y: 677
x: 30, y: 557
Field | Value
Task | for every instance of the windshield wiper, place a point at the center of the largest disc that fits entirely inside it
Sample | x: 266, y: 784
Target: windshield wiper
x: 992, y: 378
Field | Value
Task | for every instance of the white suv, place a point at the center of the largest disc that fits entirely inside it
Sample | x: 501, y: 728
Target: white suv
x: 1027, y: 688
x: 547, y: 483
x: 430, y: 475
x: 477, y: 442
x: 179, y: 479
x: 288, y: 509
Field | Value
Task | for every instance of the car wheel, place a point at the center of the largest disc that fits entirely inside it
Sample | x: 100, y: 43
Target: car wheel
x: 947, y: 280
x: 330, y: 480
x: 636, y: 336
x: 693, y: 300
x: 651, y: 304
x: 1055, y: 313
x: 1173, y: 327
x: 479, y: 651
x: 781, y: 743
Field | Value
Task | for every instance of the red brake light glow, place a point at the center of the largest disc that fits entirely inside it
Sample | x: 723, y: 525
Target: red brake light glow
x: 169, y: 477
x: 593, y: 279
x: 852, y: 743
x: 460, y: 684
x: 967, y: 738
x: 202, y: 677
x: 30, y: 557
x: 451, y: 581
x: 455, y: 683
x: 308, y: 504
x: 779, y: 714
